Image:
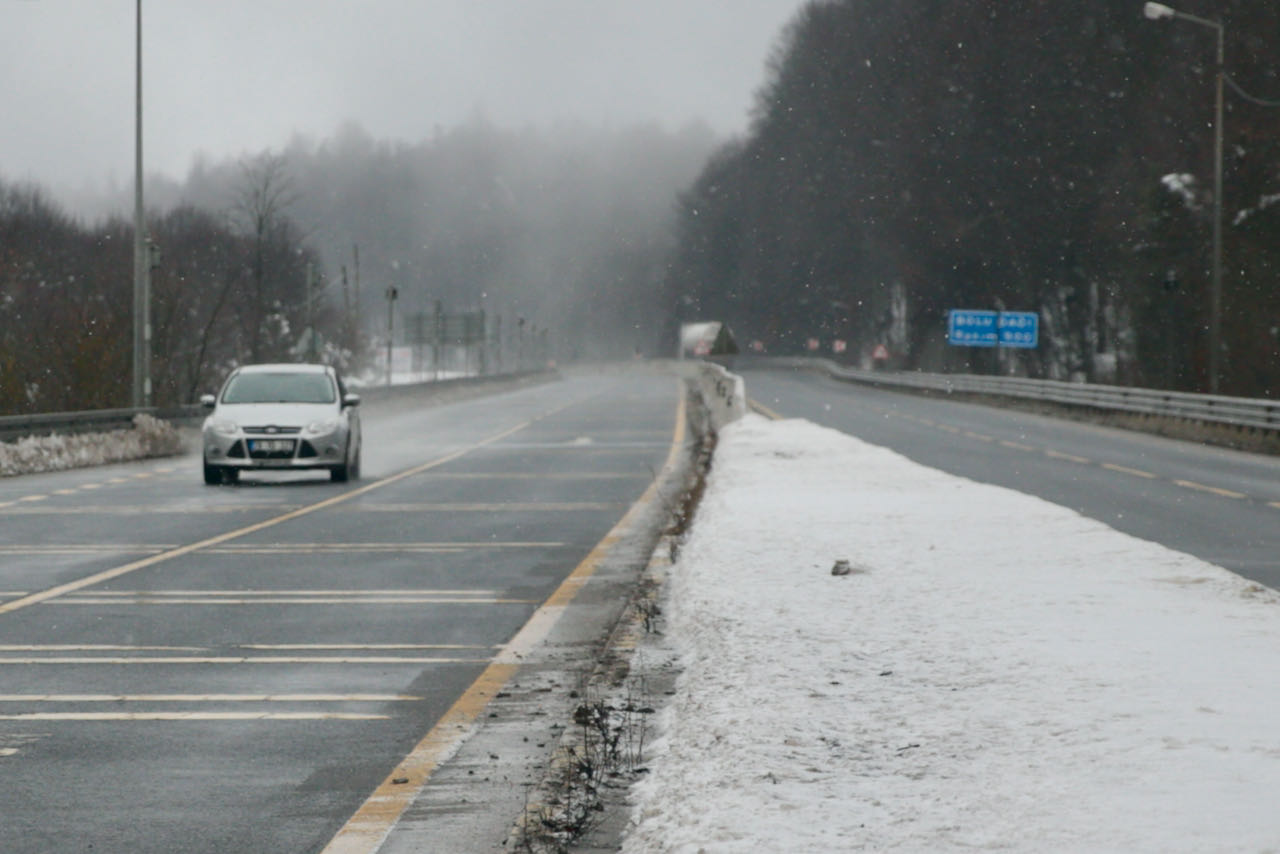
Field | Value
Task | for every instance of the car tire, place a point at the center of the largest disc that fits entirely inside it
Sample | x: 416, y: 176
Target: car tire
x: 212, y: 475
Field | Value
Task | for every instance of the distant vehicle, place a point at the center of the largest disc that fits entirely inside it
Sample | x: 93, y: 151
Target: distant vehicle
x: 274, y: 417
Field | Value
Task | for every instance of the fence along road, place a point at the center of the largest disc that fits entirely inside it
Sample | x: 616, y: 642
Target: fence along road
x: 238, y: 668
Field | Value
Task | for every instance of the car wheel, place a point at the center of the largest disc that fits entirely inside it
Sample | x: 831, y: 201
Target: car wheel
x: 353, y: 468
x: 212, y: 475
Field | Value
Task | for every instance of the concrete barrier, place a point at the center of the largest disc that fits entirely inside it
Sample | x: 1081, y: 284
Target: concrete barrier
x: 723, y: 394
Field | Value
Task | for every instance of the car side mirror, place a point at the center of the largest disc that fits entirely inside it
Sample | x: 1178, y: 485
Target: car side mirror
x: 350, y: 400
x: 208, y: 401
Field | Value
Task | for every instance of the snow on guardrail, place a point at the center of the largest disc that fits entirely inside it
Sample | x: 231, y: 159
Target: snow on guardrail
x: 1244, y: 412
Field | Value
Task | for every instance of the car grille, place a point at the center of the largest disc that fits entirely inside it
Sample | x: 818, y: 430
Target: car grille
x: 284, y: 452
x: 273, y: 430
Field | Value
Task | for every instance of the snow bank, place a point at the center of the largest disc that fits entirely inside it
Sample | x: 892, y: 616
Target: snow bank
x: 996, y: 672
x: 149, y: 437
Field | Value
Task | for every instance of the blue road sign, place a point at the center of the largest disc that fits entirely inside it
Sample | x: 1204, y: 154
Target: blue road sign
x: 1019, y: 329
x: 980, y: 328
x: 972, y: 328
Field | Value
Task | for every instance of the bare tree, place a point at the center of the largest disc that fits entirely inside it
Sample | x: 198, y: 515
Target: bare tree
x: 260, y: 211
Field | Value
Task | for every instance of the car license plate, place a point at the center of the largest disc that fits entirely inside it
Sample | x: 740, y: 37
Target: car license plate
x: 270, y: 446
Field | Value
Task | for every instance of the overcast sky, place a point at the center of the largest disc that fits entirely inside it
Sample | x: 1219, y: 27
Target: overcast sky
x: 224, y: 77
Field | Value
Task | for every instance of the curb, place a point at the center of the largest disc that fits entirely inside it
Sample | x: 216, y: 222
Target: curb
x: 581, y: 811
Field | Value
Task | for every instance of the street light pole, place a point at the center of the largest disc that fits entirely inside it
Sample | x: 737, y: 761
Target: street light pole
x: 1156, y: 12
x: 141, y: 257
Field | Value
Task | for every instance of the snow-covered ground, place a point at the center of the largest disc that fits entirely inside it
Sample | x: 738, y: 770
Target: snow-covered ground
x: 149, y: 437
x: 996, y: 672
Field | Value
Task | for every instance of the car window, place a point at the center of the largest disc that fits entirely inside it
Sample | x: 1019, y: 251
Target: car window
x: 279, y: 388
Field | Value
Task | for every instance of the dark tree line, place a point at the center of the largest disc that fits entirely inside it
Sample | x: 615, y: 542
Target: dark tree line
x: 564, y: 234
x: 910, y: 158
x: 230, y: 288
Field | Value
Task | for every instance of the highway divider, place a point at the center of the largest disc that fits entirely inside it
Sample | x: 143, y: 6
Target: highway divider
x: 723, y: 395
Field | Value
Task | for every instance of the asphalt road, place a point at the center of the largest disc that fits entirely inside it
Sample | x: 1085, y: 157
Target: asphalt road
x: 236, y: 668
x: 1220, y: 505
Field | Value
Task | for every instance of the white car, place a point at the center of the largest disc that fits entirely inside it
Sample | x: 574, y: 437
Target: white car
x: 281, y: 417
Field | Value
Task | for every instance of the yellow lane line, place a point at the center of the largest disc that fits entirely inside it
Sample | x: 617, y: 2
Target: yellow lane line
x: 365, y: 831
x: 1275, y: 504
x: 33, y: 498
x: 208, y: 698
x: 1213, y: 490
x: 981, y: 437
x: 193, y: 716
x: 107, y: 575
x: 1059, y: 455
x: 764, y: 410
x: 1126, y: 470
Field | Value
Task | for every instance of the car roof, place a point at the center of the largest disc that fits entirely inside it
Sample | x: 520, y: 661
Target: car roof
x: 284, y: 368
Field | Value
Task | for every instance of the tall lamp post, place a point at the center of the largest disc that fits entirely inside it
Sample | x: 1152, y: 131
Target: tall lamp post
x: 141, y: 255
x: 1157, y: 12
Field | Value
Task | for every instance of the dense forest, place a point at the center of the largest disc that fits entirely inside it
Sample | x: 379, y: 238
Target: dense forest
x: 911, y: 158
x: 560, y: 235
x: 903, y: 160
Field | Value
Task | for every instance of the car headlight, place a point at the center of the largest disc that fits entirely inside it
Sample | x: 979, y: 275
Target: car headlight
x: 224, y: 426
x: 322, y: 428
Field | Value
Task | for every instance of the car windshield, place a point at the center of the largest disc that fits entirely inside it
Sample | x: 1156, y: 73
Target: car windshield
x: 279, y: 388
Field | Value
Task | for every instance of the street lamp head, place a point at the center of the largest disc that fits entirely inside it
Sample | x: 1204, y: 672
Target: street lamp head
x: 1156, y: 11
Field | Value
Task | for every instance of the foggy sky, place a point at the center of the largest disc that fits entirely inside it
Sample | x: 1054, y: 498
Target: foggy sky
x: 225, y: 77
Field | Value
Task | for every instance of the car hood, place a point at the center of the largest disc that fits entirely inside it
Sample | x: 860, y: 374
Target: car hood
x: 276, y: 414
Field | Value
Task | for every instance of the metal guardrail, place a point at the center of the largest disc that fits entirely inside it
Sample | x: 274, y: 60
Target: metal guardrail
x: 1243, y: 412
x: 104, y: 420
x: 94, y: 421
